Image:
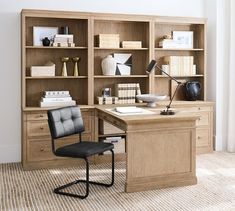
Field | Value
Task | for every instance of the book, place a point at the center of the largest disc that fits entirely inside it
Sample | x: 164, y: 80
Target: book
x: 56, y: 99
x: 50, y: 104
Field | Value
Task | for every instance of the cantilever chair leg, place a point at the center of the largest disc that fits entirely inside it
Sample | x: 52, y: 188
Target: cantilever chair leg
x: 58, y: 190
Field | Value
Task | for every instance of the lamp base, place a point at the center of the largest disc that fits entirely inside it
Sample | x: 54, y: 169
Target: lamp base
x: 167, y: 112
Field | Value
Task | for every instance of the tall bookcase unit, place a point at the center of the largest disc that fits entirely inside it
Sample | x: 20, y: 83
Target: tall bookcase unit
x: 36, y: 150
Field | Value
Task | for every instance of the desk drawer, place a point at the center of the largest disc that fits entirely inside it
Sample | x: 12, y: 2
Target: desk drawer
x: 37, y: 116
x: 202, y: 137
x: 41, y: 149
x: 37, y: 128
x: 192, y: 109
x: 204, y: 119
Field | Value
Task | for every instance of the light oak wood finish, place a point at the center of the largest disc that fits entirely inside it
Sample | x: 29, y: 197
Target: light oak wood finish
x: 86, y: 87
x: 161, y: 150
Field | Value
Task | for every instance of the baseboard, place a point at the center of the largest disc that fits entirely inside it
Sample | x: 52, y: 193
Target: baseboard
x: 10, y: 154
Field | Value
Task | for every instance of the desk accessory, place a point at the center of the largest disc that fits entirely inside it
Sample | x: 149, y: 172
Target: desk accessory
x: 151, y: 99
x: 152, y: 65
x: 64, y: 68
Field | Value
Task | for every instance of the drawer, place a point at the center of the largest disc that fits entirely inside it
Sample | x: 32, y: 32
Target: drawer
x: 37, y: 116
x: 204, y: 119
x: 37, y: 128
x: 192, y: 109
x: 41, y: 150
x: 202, y: 137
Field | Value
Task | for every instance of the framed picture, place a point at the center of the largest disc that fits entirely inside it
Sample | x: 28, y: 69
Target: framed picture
x: 40, y: 32
x: 183, y: 39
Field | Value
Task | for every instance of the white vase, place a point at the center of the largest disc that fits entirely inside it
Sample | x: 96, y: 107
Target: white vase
x: 108, y: 65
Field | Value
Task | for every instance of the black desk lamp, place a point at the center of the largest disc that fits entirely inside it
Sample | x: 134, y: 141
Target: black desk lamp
x: 152, y: 65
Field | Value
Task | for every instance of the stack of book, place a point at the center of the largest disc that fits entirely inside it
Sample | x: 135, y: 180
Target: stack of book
x: 56, y: 98
x: 118, y: 142
x: 107, y: 40
x: 106, y: 100
x: 131, y: 44
x: 180, y: 65
x: 127, y: 92
x: 63, y: 40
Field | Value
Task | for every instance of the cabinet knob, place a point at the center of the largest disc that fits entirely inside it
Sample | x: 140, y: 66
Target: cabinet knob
x: 200, y: 118
x: 42, y: 150
x: 199, y: 108
x: 41, y: 127
x: 41, y: 115
x: 199, y: 137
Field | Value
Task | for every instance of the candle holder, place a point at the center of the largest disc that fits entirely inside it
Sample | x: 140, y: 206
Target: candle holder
x: 64, y: 68
x: 76, y: 67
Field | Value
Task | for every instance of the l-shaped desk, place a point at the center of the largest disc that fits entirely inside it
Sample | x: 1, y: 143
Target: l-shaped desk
x: 161, y: 150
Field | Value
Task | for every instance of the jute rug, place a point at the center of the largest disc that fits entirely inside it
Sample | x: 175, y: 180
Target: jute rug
x: 32, y: 190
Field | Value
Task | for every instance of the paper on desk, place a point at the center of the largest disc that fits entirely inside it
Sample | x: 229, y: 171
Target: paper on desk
x: 129, y: 109
x: 143, y: 112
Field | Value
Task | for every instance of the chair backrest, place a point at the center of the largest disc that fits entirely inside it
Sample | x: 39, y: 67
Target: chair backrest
x: 65, y: 121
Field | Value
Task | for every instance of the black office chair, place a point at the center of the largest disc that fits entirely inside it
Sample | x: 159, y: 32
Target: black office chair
x: 68, y: 121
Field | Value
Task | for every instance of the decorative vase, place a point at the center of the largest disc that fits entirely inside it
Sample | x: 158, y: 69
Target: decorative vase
x: 76, y: 68
x: 46, y: 41
x: 193, y: 90
x: 64, y: 68
x: 108, y: 65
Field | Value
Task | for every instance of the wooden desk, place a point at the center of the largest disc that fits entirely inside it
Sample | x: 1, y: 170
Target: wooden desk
x: 161, y: 150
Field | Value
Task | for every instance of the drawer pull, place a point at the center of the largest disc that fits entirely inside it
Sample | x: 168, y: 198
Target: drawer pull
x: 42, y: 150
x: 199, y: 108
x: 41, y: 127
x: 200, y: 118
x: 199, y: 137
x: 41, y: 115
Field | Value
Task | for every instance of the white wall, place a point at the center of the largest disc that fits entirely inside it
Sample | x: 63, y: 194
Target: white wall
x: 10, y: 84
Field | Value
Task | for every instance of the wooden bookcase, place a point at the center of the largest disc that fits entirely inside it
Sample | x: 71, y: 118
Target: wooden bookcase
x: 86, y: 87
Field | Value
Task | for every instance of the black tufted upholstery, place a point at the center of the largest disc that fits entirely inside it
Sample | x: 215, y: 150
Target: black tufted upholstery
x: 68, y: 121
x: 65, y: 121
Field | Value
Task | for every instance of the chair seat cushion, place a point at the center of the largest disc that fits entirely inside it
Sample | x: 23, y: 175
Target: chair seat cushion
x: 83, y: 149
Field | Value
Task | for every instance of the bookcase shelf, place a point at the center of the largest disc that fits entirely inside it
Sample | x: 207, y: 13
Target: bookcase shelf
x: 178, y: 49
x: 56, y: 48
x: 122, y: 49
x: 121, y: 76
x: 55, y: 77
x: 187, y: 76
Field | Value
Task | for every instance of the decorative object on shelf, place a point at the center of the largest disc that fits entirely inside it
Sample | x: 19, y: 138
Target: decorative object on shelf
x: 64, y: 67
x: 64, y: 30
x: 131, y: 44
x: 183, y: 39
x: 76, y: 67
x: 151, y: 99
x: 108, y: 65
x: 193, y: 90
x: 107, y: 40
x: 48, y: 69
x: 63, y: 40
x: 46, y: 41
x: 40, y: 32
x: 152, y: 65
x: 106, y: 92
x: 105, y: 100
x: 124, y: 63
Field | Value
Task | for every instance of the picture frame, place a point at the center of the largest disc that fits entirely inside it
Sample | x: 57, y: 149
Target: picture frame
x: 183, y: 39
x: 106, y: 92
x: 40, y: 32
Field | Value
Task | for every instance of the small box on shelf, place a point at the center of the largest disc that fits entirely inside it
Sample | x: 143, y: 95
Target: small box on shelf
x: 107, y: 40
x: 47, y: 69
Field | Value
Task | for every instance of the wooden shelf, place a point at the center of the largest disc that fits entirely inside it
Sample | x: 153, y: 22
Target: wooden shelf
x: 56, y: 48
x: 121, y: 76
x: 122, y: 49
x: 178, y: 49
x: 187, y: 76
x: 56, y: 77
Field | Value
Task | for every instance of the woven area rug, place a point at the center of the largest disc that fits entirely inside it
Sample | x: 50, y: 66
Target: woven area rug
x: 32, y: 190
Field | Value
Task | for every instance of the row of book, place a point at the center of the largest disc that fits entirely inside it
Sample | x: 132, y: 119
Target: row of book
x: 126, y: 92
x: 56, y: 98
x: 180, y: 65
x: 63, y: 40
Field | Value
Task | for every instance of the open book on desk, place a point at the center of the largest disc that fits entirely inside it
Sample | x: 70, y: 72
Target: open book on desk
x: 129, y: 109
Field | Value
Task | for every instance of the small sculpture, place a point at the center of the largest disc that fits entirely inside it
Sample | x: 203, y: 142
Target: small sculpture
x: 76, y: 67
x: 64, y: 68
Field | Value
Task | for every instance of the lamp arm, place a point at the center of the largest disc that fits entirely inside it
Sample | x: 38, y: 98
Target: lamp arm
x: 169, y: 105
